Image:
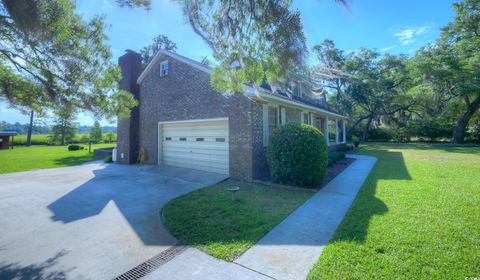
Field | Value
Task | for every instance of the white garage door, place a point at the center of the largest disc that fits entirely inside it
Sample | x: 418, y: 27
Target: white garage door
x: 201, y: 145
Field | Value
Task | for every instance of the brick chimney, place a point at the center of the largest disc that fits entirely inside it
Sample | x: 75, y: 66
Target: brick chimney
x: 128, y: 129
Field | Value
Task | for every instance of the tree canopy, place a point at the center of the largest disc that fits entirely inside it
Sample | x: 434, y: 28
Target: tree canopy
x: 160, y: 42
x: 249, y: 39
x: 51, y: 57
x: 451, y: 66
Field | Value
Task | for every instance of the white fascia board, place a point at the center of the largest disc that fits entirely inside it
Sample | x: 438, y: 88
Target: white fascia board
x: 194, y: 120
x: 175, y: 56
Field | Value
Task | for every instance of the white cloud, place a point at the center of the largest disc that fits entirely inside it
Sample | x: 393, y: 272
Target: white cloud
x: 106, y: 5
x: 388, y: 48
x: 408, y: 36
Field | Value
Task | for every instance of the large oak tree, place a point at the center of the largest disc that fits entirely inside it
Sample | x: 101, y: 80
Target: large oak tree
x: 451, y: 66
x: 51, y: 57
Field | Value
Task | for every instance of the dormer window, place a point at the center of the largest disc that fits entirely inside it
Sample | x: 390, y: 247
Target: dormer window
x: 296, y: 88
x: 164, y: 68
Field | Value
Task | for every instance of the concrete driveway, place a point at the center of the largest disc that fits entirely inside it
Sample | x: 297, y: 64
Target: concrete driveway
x: 94, y: 221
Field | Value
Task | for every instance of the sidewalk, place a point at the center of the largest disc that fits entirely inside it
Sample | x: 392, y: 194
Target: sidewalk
x: 292, y: 247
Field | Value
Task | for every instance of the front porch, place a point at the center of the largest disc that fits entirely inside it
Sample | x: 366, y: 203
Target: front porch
x: 331, y: 125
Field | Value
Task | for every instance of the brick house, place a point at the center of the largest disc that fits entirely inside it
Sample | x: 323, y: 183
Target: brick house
x: 182, y: 121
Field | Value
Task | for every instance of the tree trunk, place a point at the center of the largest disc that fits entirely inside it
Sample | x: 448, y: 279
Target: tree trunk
x: 29, y: 131
x: 62, y: 141
x: 462, y: 122
x: 367, y: 127
x: 358, y: 122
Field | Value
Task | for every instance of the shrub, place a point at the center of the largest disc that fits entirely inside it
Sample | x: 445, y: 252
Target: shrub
x: 297, y: 155
x: 73, y: 147
x: 335, y: 156
x: 108, y: 159
x: 356, y: 142
x: 345, y: 148
x: 379, y: 134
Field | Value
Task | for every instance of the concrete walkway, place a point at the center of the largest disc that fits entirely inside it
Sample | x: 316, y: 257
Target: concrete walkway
x: 292, y: 247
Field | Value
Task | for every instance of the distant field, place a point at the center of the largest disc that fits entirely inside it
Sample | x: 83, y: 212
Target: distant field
x: 41, y: 139
x: 23, y: 158
x: 37, y: 139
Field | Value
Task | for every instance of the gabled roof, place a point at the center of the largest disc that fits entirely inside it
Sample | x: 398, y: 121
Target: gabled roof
x: 264, y: 93
x: 178, y: 57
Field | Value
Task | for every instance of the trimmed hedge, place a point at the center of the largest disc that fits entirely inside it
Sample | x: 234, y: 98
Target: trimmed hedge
x: 335, y: 156
x: 73, y: 147
x: 297, y: 155
x: 108, y: 159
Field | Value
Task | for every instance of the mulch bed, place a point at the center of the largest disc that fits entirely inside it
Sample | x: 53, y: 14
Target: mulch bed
x: 335, y: 169
x: 332, y: 172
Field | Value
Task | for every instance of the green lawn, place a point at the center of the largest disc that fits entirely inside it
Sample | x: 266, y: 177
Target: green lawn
x: 416, y: 216
x: 22, y: 158
x: 208, y: 219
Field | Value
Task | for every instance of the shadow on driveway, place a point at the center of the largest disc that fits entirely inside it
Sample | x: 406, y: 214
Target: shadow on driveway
x: 103, y: 219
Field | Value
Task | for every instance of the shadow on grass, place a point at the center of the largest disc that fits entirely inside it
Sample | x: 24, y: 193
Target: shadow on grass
x: 354, y: 226
x: 74, y: 160
x: 35, y: 271
x: 446, y: 147
x: 209, y: 220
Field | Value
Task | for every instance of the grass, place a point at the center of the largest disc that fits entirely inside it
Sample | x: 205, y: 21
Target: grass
x: 416, y: 216
x: 38, y: 157
x: 209, y: 220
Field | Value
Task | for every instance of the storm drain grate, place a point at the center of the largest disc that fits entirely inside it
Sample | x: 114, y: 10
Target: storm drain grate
x: 145, y: 268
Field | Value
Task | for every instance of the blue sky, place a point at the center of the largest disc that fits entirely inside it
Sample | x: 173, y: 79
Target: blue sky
x: 395, y: 27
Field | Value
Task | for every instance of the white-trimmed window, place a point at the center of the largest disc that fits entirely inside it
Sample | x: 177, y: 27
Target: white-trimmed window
x: 164, y: 68
x: 332, y: 131
x: 270, y: 121
x: 305, y: 118
x: 340, y: 130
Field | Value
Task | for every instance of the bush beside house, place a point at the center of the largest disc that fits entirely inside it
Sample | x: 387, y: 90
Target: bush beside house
x: 298, y: 155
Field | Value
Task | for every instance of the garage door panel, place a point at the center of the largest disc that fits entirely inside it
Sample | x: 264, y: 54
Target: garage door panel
x: 216, y: 123
x: 199, y: 145
x: 200, y: 161
x: 220, y: 127
x: 200, y: 156
x: 218, y: 168
x: 191, y: 134
x: 196, y: 145
x: 168, y: 151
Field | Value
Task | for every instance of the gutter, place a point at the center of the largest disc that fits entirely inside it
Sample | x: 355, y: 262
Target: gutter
x: 250, y: 92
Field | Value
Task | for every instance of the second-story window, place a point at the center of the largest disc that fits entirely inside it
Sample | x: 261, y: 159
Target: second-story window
x: 164, y: 68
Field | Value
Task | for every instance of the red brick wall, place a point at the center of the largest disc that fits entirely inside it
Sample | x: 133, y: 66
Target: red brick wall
x: 5, y: 144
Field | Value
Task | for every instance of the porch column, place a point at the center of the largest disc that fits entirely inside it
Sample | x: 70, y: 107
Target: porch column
x: 344, y: 132
x: 336, y: 131
x: 326, y: 131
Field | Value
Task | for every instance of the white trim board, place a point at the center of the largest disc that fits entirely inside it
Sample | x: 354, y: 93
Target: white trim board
x: 194, y: 120
x: 178, y: 57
